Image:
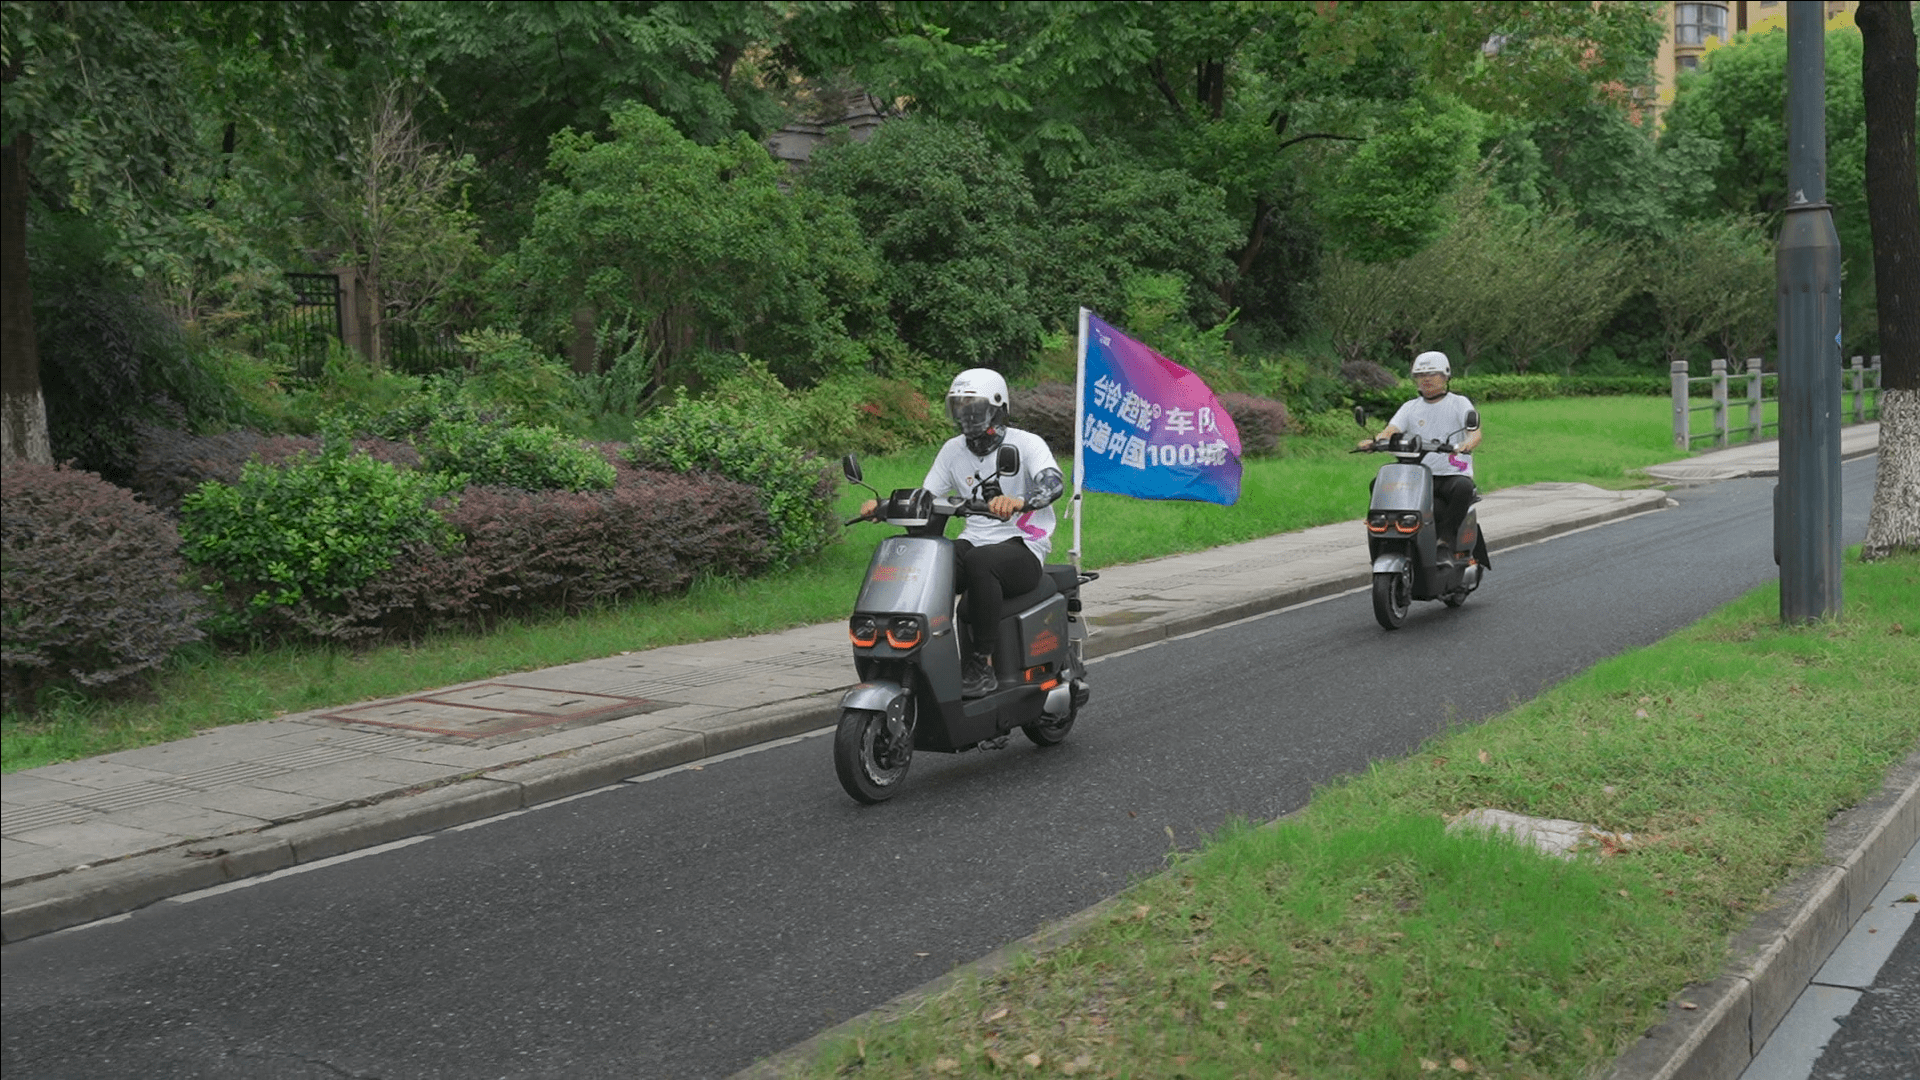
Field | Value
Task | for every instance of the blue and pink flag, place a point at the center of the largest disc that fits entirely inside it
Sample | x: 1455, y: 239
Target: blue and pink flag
x: 1149, y: 428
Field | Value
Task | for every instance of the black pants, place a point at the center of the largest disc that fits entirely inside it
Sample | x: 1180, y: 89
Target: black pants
x: 1451, y: 497
x: 987, y: 576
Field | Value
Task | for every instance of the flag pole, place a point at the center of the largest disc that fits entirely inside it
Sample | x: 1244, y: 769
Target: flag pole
x: 1079, y: 430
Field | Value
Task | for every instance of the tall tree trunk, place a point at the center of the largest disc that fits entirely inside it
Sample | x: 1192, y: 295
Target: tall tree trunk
x: 23, y: 409
x: 1890, y: 76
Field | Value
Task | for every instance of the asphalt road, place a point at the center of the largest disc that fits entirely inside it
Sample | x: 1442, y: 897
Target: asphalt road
x: 689, y: 924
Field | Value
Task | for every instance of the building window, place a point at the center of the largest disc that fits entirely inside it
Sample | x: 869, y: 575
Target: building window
x: 1696, y: 24
x: 1688, y: 63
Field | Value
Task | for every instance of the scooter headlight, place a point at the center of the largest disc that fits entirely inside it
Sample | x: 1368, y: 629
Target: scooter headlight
x: 864, y: 630
x: 905, y: 632
x: 1408, y: 523
x: 1377, y: 522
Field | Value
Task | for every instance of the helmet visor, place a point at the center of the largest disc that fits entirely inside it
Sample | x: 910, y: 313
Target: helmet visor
x: 972, y: 415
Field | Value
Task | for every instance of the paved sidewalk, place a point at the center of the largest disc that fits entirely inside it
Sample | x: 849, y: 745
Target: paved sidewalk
x: 86, y: 839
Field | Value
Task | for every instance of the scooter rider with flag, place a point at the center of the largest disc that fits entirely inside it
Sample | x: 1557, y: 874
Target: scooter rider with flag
x: 998, y: 556
x: 1440, y: 414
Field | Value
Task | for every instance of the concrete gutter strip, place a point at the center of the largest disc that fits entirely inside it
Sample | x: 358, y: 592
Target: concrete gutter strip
x: 1775, y: 958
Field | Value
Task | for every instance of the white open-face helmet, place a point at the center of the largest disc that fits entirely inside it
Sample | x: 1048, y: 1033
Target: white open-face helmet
x: 1428, y: 363
x: 977, y: 404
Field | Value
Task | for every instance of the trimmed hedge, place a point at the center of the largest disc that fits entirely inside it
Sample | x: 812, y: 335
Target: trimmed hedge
x: 171, y: 463
x: 297, y: 536
x: 525, y: 553
x: 537, y: 458
x: 797, y: 488
x: 91, y: 582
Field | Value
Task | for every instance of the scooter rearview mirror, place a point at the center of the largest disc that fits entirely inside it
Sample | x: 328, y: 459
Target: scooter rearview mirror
x: 851, y: 466
x: 1473, y: 419
x: 1008, y: 462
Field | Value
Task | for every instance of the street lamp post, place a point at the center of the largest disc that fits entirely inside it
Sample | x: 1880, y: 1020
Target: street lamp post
x: 1806, y: 504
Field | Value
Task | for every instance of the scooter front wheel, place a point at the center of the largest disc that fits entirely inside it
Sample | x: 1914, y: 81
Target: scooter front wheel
x: 1392, y: 596
x: 870, y: 764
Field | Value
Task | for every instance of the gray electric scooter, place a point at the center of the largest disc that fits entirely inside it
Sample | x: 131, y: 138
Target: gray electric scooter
x: 1411, y: 561
x: 907, y: 648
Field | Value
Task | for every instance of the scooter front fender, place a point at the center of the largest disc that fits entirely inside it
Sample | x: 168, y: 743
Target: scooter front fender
x: 872, y: 696
x: 1391, y: 562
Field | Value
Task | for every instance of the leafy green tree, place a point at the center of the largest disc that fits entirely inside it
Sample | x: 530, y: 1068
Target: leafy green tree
x: 1109, y: 222
x: 953, y: 223
x: 1388, y: 199
x: 1738, y: 101
x: 512, y: 74
x: 688, y: 248
x: 1595, y: 161
x: 1574, y: 282
x: 393, y: 207
x: 114, y: 111
x: 1220, y: 90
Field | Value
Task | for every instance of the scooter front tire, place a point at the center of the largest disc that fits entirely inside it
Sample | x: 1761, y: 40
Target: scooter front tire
x: 870, y: 768
x: 1392, y: 596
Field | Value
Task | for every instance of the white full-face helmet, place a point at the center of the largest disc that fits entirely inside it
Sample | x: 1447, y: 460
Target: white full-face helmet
x: 977, y: 404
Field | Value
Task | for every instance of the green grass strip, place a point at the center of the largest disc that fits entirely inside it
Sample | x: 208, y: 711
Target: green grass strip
x: 1359, y: 939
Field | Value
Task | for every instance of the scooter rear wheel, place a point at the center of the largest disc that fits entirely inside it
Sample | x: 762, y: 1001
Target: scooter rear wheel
x: 1392, y: 596
x: 1046, y: 732
x: 870, y: 765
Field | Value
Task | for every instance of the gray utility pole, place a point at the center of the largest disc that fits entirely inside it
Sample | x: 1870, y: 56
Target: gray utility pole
x: 1806, y: 503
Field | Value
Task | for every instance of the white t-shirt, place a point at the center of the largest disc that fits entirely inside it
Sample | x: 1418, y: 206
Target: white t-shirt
x: 1442, y: 419
x: 956, y: 471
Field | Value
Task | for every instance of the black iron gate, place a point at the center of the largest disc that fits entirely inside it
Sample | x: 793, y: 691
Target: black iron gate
x: 312, y: 322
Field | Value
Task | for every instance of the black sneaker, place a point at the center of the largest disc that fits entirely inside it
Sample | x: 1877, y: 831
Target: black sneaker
x: 976, y: 678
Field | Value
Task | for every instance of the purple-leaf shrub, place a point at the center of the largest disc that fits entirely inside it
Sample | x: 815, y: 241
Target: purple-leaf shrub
x: 91, y: 581
x: 1260, y: 421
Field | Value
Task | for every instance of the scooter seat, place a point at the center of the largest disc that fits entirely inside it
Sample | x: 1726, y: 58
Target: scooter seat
x: 1065, y: 577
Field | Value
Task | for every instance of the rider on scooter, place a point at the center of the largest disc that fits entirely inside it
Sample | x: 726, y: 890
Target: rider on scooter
x: 1439, y: 414
x: 1000, y: 556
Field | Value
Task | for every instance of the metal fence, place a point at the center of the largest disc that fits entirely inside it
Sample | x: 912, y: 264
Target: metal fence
x: 1860, y: 398
x: 320, y: 313
x: 314, y: 318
